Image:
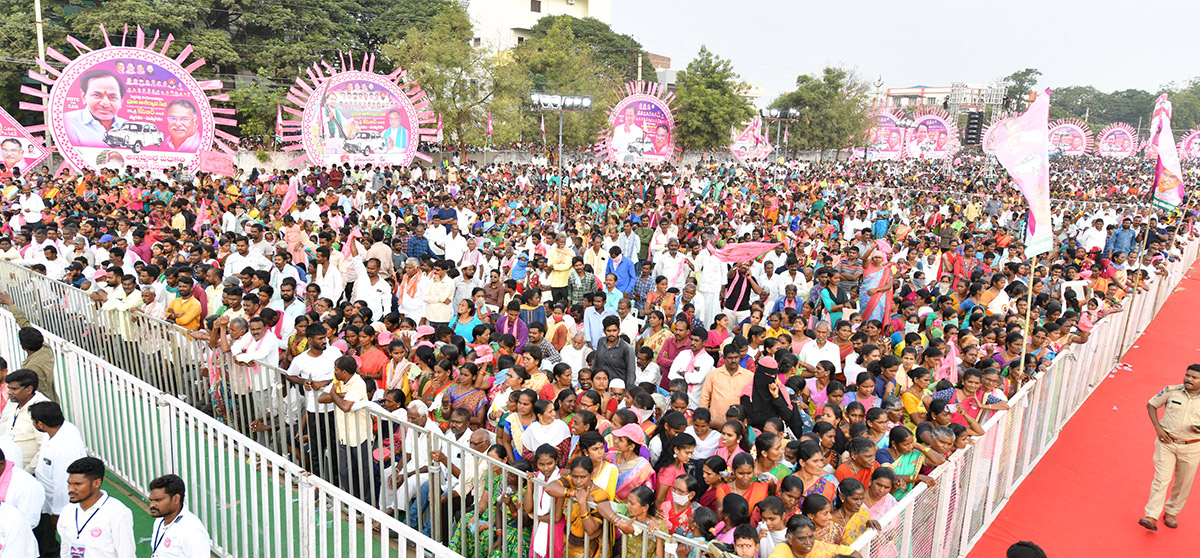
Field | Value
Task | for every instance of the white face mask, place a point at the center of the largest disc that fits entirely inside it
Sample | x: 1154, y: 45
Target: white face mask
x: 679, y: 499
x: 910, y: 328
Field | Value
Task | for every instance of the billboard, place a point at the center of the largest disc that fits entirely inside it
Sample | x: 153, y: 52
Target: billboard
x: 934, y: 135
x: 1189, y: 146
x: 885, y: 141
x: 360, y: 118
x: 641, y: 126
x: 120, y: 106
x: 750, y: 144
x: 1069, y: 137
x: 20, y: 152
x: 1117, y: 140
x: 351, y: 115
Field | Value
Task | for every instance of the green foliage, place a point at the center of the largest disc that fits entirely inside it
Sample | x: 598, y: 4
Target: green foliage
x: 1023, y: 82
x: 256, y: 101
x: 833, y: 107
x: 558, y: 61
x: 613, y: 50
x: 709, y: 102
x: 463, y: 82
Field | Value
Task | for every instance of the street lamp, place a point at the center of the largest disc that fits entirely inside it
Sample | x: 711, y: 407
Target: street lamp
x: 560, y: 103
x: 778, y: 116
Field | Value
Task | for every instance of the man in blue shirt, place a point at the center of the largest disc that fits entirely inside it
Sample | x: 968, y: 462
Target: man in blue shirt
x: 593, y: 319
x: 622, y: 268
x: 1122, y: 239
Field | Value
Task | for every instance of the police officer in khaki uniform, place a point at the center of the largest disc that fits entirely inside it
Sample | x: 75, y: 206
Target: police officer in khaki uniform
x: 1177, y: 451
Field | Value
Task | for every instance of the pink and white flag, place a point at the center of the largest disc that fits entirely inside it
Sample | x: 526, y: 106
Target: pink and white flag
x: 543, y: 128
x: 489, y: 124
x: 1168, y: 174
x: 1021, y: 146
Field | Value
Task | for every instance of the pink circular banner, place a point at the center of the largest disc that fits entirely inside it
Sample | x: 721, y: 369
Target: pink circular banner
x: 124, y: 106
x: 1069, y: 139
x: 359, y: 118
x: 642, y: 130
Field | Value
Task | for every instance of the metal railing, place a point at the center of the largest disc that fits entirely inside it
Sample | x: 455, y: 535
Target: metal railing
x: 253, y: 501
x: 946, y: 519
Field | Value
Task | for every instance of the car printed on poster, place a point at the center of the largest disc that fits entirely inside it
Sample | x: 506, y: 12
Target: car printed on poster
x: 135, y: 136
x: 365, y: 142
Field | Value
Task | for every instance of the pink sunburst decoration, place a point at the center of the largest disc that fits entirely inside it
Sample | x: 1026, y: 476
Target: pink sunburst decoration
x: 934, y: 134
x: 130, y: 104
x: 349, y: 114
x: 1117, y: 140
x: 641, y: 126
x: 1071, y: 136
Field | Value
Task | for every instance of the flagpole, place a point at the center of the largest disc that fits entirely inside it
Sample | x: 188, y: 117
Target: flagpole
x: 1028, y: 311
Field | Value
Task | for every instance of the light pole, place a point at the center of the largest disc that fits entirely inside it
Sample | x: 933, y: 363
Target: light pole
x: 779, y: 116
x: 561, y: 104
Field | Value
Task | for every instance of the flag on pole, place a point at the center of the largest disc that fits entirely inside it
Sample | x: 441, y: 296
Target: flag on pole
x: 489, y: 124
x: 785, y: 133
x: 278, y: 119
x: 290, y: 198
x: 1168, y: 176
x: 201, y: 217
x: 1021, y: 146
x: 543, y: 128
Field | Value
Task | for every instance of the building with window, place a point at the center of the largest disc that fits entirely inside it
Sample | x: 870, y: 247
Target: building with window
x: 504, y: 24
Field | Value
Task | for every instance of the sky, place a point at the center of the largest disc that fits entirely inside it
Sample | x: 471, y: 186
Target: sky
x: 1103, y: 43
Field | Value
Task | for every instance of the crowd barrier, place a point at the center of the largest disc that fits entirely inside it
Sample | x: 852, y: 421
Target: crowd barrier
x: 253, y: 501
x: 944, y: 520
x: 241, y: 433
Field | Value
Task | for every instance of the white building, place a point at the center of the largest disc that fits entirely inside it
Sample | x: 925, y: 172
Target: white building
x: 503, y: 24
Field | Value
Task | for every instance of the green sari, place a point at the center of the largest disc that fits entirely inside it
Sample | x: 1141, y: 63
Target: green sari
x: 464, y: 545
x: 908, y: 464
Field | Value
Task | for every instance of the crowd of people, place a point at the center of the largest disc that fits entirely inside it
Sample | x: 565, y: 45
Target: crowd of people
x: 763, y: 357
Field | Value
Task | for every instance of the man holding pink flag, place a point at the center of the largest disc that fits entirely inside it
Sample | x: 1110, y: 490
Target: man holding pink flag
x: 1168, y: 175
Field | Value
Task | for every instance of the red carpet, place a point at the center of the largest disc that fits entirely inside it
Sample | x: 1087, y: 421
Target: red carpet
x: 1085, y: 496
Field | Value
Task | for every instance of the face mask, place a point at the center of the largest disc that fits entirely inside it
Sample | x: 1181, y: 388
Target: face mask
x: 679, y: 499
x: 910, y: 328
x: 788, y: 464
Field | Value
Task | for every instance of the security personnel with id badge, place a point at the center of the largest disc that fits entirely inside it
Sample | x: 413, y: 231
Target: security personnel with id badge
x: 177, y: 532
x: 93, y: 525
x: 1177, y: 451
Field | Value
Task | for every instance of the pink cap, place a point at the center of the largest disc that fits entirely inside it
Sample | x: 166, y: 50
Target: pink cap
x: 631, y: 431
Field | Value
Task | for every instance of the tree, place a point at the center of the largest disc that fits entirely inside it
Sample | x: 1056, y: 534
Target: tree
x: 559, y: 62
x: 710, y: 102
x: 1023, y: 82
x: 616, y: 51
x: 833, y: 108
x: 463, y: 82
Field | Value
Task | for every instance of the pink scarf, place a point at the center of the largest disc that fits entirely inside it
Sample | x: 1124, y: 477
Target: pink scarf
x: 5, y: 480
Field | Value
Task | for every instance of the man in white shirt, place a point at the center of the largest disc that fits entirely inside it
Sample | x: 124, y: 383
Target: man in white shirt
x: 16, y: 536
x: 243, y: 258
x: 693, y: 365
x: 813, y: 352
x: 439, y: 295
x: 713, y: 274
x: 63, y: 447
x: 353, y: 425
x: 372, y: 288
x: 177, y: 532
x: 21, y: 490
x: 93, y: 525
x: 312, y: 370
x: 674, y: 265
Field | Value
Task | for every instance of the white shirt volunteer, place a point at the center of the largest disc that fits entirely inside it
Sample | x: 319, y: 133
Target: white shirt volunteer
x: 16, y: 536
x: 58, y: 452
x: 811, y: 354
x: 25, y: 494
x: 184, y: 537
x: 315, y: 369
x: 104, y: 531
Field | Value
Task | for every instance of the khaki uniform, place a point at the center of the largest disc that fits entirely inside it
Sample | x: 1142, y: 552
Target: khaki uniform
x: 1178, y: 458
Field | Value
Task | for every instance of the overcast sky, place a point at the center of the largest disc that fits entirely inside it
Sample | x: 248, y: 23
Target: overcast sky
x: 1109, y: 44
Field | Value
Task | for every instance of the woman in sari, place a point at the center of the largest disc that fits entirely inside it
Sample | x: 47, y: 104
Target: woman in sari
x: 585, y: 529
x: 968, y: 399
x: 744, y: 483
x: 475, y: 524
x: 633, y: 470
x: 399, y: 372
x: 905, y: 457
x: 850, y: 513
x: 429, y: 388
x: 547, y: 430
x: 637, y: 540
x: 549, y: 526
x: 875, y: 295
x: 655, y: 334
x: 464, y: 395
x: 812, y: 470
x: 512, y: 433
